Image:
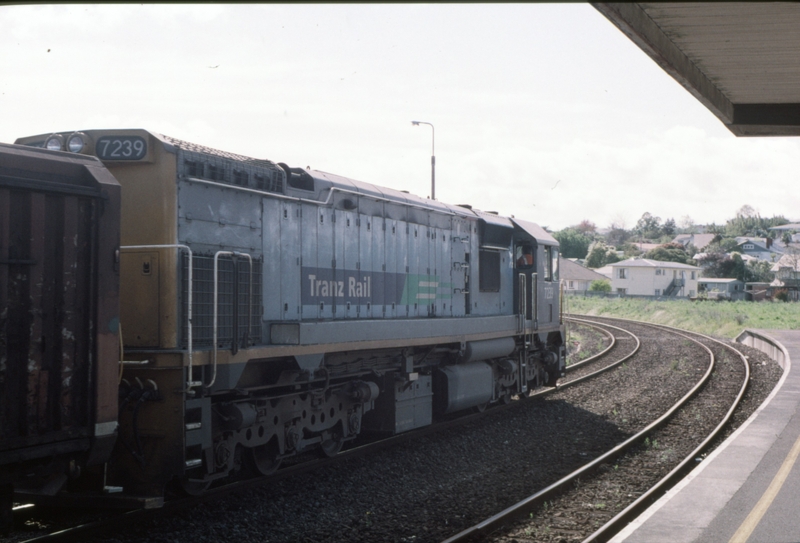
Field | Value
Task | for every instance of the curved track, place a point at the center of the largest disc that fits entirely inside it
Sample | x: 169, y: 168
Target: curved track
x: 525, y: 507
x: 354, y: 530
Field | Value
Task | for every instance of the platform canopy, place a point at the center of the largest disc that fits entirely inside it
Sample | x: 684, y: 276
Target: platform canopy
x: 741, y: 60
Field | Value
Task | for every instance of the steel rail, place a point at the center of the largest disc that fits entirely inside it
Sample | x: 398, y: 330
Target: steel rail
x: 619, y: 521
x: 609, y: 335
x: 484, y: 528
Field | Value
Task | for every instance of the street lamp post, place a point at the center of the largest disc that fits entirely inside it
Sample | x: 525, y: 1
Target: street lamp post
x: 433, y: 157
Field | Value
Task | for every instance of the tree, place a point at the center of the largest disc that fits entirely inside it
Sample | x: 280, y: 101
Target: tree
x: 574, y: 244
x: 587, y: 227
x: 687, y: 225
x: 717, y: 264
x: 669, y: 228
x: 617, y: 234
x: 600, y: 285
x: 669, y: 252
x: 600, y: 254
x: 648, y: 226
x: 760, y: 271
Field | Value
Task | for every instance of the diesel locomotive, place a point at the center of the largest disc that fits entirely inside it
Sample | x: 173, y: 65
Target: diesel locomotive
x: 263, y: 311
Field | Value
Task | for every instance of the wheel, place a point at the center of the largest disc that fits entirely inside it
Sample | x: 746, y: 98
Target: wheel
x: 333, y: 444
x: 194, y: 487
x: 550, y: 380
x: 265, y: 459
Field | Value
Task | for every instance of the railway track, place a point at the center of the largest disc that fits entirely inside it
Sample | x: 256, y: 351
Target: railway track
x: 345, y: 500
x: 496, y: 527
x: 92, y: 525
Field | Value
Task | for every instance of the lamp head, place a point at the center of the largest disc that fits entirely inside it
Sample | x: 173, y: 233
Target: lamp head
x: 415, y: 123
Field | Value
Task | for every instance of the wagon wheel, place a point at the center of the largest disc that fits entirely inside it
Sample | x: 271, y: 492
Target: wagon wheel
x: 194, y: 487
x: 332, y: 445
x: 265, y: 459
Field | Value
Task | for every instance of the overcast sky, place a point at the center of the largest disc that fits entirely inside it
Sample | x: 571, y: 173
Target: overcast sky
x: 543, y: 111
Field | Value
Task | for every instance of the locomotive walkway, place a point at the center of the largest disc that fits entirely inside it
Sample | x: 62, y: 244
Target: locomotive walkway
x: 748, y: 489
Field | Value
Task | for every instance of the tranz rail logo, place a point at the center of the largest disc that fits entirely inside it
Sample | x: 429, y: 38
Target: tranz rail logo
x: 362, y: 287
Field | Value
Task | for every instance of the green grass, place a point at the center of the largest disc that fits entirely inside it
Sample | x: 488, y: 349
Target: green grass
x: 722, y: 319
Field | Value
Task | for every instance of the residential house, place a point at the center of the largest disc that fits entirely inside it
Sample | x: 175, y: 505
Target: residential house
x: 756, y: 291
x: 644, y: 277
x: 721, y: 289
x: 577, y: 278
x: 787, y: 274
x: 760, y: 248
x: 792, y: 228
x: 700, y: 241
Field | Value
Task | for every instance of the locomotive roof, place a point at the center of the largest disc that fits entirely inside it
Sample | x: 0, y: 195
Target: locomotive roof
x: 537, y: 232
x: 188, y: 146
x: 399, y: 196
x: 325, y: 181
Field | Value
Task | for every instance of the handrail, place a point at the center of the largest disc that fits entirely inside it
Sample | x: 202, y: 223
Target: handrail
x: 190, y: 383
x: 216, y: 294
x: 523, y: 298
x: 535, y: 299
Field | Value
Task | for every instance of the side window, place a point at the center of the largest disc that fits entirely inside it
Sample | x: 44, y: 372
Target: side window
x: 548, y: 264
x: 554, y: 263
x: 523, y: 256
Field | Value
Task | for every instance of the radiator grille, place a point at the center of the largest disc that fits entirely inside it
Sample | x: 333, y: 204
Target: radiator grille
x: 203, y: 302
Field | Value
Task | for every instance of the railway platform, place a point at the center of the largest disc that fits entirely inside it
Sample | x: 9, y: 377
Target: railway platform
x: 748, y: 489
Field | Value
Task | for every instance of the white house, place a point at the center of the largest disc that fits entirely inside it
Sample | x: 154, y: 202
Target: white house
x: 577, y: 278
x: 643, y: 277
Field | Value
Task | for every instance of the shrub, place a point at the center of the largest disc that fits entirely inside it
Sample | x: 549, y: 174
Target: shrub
x: 601, y: 285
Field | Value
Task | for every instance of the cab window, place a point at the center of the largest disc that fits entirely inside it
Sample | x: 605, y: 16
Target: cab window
x: 550, y: 264
x: 523, y: 256
x: 554, y: 263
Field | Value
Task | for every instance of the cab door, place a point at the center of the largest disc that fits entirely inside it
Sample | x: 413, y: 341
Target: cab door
x: 525, y: 266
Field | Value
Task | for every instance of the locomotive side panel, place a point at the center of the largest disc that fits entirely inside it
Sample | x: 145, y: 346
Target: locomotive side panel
x: 274, y: 215
x: 363, y: 287
x: 290, y: 256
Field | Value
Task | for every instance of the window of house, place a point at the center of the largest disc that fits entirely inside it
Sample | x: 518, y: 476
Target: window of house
x: 747, y: 246
x: 571, y: 284
x: 622, y: 273
x: 658, y: 292
x: 693, y: 275
x: 622, y: 291
x: 659, y: 271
